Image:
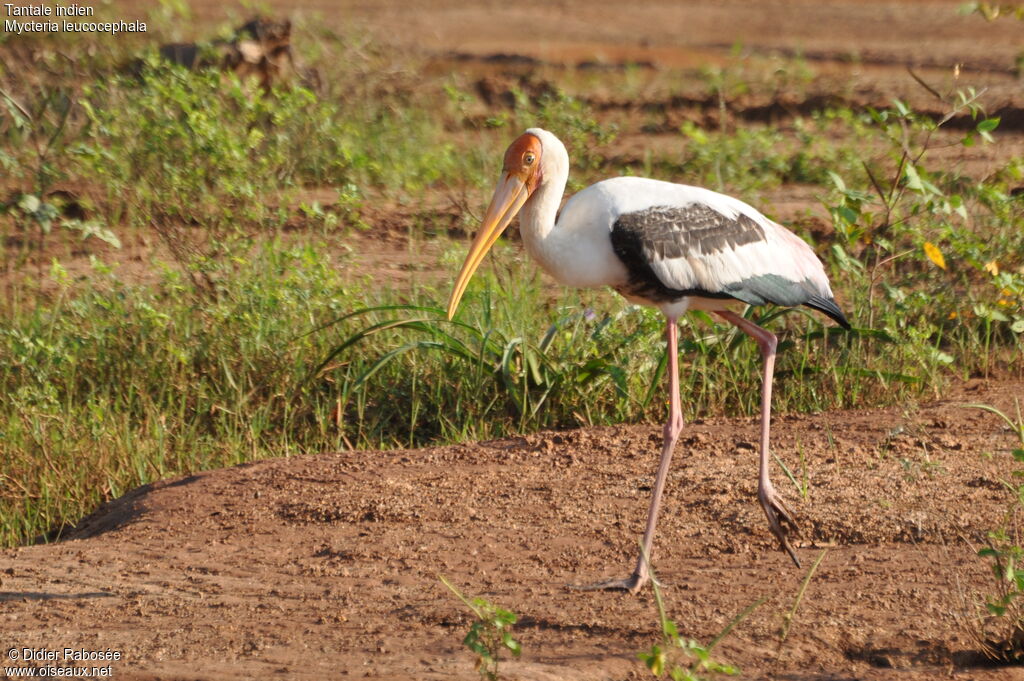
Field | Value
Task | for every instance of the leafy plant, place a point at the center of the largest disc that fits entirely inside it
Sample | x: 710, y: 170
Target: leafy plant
x: 880, y: 226
x: 684, y: 659
x: 918, y: 243
x: 1001, y: 634
x: 489, y: 635
x: 31, y: 209
x: 196, y: 151
x: 994, y: 10
x: 37, y: 131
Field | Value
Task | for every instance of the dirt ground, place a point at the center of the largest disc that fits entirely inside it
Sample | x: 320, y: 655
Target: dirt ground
x: 327, y: 566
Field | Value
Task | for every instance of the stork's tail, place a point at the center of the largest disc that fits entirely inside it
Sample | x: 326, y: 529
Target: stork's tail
x: 829, y: 307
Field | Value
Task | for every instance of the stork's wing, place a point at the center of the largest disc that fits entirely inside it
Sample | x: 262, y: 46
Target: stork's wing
x: 697, y: 249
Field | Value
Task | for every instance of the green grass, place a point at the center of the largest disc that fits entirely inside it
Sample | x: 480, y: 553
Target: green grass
x: 111, y: 385
x: 253, y: 342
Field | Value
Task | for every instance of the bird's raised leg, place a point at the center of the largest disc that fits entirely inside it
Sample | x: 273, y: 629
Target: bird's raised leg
x: 642, y: 573
x: 780, y: 520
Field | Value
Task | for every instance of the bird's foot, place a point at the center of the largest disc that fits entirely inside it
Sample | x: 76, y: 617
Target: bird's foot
x: 780, y: 519
x: 632, y: 584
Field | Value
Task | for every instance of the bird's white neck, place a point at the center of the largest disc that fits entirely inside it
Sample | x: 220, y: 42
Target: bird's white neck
x: 537, y: 226
x: 537, y: 218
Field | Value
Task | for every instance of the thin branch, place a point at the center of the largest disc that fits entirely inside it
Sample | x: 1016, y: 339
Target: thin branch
x: 874, y: 181
x: 925, y: 85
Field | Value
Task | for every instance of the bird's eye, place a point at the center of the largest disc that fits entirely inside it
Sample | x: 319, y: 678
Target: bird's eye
x: 529, y: 158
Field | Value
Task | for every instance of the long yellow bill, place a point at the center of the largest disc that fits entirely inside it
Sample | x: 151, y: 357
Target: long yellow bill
x: 508, y: 199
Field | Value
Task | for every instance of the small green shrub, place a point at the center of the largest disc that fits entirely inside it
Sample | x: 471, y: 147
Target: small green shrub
x: 684, y: 659
x: 489, y: 635
x: 190, y: 147
x: 1000, y: 633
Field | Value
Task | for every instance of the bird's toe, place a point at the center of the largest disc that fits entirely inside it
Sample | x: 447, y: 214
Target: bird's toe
x: 632, y: 584
x: 780, y: 521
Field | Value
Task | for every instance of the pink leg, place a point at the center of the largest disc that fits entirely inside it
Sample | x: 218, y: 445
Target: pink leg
x: 642, y: 573
x: 780, y: 520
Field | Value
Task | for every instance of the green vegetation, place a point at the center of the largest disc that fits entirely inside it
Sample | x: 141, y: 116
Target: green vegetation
x: 1000, y: 630
x: 683, y: 659
x: 244, y: 330
x: 489, y: 635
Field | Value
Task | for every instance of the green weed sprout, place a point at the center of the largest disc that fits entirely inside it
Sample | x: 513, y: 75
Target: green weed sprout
x: 1006, y: 607
x: 489, y: 635
x: 684, y: 659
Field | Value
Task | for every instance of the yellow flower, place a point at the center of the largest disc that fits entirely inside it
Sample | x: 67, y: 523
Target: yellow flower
x: 992, y: 267
x: 934, y: 254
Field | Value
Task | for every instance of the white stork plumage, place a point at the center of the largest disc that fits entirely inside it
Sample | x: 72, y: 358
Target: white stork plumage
x: 670, y: 246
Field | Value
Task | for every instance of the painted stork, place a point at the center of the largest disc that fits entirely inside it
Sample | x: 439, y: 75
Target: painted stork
x: 669, y: 246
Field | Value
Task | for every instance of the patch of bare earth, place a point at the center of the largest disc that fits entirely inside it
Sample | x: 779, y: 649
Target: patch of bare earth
x: 326, y: 566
